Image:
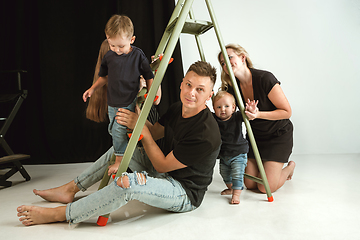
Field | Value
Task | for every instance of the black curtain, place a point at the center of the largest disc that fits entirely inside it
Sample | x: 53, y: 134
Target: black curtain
x: 57, y: 43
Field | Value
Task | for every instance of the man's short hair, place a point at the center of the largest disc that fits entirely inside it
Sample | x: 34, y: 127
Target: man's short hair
x: 204, y: 69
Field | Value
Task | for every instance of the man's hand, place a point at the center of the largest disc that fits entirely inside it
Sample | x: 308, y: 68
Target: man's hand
x: 113, y: 169
x: 126, y: 117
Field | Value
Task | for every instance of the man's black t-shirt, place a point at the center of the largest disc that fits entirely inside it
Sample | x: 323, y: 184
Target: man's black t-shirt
x: 195, y: 142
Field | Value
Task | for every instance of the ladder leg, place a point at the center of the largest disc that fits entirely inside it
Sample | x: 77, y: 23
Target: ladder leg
x: 102, y: 220
x: 240, y: 103
x: 198, y: 41
x: 165, y: 38
x: 106, y: 177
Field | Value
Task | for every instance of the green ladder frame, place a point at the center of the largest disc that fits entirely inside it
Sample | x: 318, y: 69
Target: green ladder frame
x: 179, y: 23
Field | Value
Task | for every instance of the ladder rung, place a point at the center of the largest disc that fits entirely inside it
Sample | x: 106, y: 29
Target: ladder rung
x: 191, y: 26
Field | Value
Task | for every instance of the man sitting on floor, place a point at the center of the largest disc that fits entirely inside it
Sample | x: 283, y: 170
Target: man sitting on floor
x: 180, y: 173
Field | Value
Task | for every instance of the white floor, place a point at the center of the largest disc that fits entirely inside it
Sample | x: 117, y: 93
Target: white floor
x: 321, y: 202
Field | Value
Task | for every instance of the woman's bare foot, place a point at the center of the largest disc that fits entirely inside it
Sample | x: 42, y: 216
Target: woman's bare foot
x: 291, y: 165
x: 236, y: 196
x: 32, y: 215
x: 62, y: 194
x: 227, y: 191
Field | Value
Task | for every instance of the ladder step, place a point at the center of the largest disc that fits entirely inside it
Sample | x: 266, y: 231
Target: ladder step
x: 191, y: 26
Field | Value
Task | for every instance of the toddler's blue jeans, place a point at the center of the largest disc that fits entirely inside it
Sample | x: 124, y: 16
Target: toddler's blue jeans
x: 118, y: 131
x: 232, y: 170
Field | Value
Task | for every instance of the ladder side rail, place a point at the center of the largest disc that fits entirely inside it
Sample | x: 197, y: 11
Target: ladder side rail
x: 106, y: 177
x: 177, y: 11
x: 104, y: 182
x: 239, y: 100
x: 198, y: 40
x: 165, y: 38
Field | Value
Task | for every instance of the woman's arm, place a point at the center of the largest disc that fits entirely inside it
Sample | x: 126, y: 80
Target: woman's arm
x: 278, y: 98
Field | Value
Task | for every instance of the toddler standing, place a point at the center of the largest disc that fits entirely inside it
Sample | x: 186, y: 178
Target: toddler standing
x: 234, y: 147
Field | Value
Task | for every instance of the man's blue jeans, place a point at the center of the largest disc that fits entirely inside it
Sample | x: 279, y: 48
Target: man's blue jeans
x: 158, y: 190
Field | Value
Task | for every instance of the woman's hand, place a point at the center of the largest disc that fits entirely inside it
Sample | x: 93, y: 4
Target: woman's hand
x: 251, y: 109
x: 278, y: 99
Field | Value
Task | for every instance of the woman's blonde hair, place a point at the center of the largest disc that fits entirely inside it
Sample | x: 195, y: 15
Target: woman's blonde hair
x: 97, y: 107
x: 240, y: 51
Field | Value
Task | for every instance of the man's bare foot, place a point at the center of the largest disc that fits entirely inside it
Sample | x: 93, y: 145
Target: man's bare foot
x: 62, y: 194
x: 227, y: 191
x: 32, y: 215
x: 236, y: 196
x: 291, y: 165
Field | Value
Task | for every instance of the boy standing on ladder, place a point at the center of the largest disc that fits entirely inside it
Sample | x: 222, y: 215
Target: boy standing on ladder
x: 121, y: 68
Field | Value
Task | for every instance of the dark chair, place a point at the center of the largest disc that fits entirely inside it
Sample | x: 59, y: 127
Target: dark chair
x: 13, y: 98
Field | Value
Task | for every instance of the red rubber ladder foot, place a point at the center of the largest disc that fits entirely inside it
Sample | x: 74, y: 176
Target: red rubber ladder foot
x: 156, y: 97
x: 102, y: 221
x: 141, y: 136
x: 170, y: 61
x: 270, y: 199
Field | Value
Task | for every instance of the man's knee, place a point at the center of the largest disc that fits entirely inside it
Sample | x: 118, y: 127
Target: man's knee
x: 141, y: 178
x: 124, y: 182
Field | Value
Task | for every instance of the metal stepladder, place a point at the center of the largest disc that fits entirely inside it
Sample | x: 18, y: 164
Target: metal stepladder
x: 180, y: 23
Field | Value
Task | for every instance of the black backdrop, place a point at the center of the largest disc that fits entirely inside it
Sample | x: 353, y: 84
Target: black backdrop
x: 57, y: 42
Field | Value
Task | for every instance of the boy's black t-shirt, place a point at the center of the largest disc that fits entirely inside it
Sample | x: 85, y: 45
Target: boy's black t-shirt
x: 195, y: 142
x: 123, y: 73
